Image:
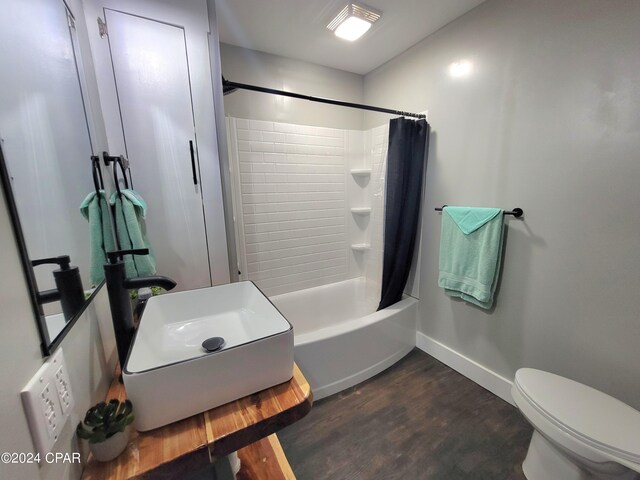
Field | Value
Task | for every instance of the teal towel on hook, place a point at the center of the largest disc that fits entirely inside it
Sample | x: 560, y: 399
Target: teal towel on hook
x: 95, y: 208
x: 470, y: 253
x: 130, y: 210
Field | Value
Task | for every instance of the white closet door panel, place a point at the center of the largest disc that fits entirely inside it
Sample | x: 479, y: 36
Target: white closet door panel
x: 152, y: 80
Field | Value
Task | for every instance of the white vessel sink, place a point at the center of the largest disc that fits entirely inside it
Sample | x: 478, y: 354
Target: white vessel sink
x: 168, y: 374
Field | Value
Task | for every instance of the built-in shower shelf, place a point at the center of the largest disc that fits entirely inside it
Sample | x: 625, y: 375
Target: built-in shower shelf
x: 360, y: 172
x: 360, y: 247
x: 361, y: 210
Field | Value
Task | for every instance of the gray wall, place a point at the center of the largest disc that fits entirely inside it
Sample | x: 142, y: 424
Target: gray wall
x: 20, y: 358
x: 18, y: 350
x: 547, y: 121
x: 257, y: 68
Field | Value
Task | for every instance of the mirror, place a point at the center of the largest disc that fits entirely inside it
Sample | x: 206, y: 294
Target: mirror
x: 46, y: 151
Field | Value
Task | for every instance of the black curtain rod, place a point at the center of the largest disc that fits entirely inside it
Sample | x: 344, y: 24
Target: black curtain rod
x: 229, y: 86
x: 516, y: 212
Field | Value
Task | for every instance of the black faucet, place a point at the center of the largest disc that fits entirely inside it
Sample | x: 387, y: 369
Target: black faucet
x: 118, y: 286
x: 68, y: 286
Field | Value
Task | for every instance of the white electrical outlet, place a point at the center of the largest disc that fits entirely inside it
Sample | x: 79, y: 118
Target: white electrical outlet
x: 48, y: 401
x: 61, y: 380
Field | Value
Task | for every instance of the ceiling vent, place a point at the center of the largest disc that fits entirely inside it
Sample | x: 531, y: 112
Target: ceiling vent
x: 353, y: 21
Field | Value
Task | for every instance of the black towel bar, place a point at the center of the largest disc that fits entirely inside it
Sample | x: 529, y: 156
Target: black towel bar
x: 516, y: 212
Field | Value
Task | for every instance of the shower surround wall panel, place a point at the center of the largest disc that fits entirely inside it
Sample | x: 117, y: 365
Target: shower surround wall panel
x: 291, y: 204
x: 376, y: 142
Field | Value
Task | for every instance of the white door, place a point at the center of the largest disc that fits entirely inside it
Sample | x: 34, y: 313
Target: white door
x: 150, y: 67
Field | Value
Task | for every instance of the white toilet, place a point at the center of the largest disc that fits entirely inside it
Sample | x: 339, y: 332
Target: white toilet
x: 580, y: 433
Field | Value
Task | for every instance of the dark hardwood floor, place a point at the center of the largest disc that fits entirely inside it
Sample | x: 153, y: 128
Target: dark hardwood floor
x: 417, y: 420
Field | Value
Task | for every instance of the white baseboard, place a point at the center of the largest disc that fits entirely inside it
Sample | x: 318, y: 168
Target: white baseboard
x: 484, y: 377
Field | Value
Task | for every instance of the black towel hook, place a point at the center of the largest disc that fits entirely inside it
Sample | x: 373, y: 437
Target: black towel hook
x: 115, y: 180
x: 124, y: 166
x: 96, y: 173
x: 123, y: 163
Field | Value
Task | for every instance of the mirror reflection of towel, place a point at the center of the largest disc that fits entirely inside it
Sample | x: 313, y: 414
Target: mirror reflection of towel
x: 130, y: 210
x: 96, y: 210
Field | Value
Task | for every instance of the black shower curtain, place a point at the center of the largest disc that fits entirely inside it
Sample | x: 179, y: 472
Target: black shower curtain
x: 406, y: 160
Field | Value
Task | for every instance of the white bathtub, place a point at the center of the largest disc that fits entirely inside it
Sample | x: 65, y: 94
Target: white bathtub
x: 338, y: 343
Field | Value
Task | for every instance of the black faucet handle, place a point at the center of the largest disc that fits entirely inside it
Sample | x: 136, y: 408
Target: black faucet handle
x: 118, y: 254
x: 64, y: 261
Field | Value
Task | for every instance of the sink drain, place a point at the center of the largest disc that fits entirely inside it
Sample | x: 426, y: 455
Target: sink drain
x: 213, y: 344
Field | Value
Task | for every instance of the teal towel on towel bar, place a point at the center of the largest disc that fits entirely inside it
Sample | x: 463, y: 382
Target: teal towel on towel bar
x: 130, y: 211
x: 95, y: 208
x: 470, y: 253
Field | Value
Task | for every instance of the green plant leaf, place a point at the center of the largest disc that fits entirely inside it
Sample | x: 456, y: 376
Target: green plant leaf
x: 98, y: 437
x: 83, y: 432
x: 157, y: 291
x: 105, y: 420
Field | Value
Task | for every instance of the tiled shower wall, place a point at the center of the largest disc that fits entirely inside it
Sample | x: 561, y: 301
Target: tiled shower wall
x: 293, y: 197
x: 292, y: 200
x: 376, y: 142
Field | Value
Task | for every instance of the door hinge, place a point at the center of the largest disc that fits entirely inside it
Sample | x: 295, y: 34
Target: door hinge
x: 102, y: 28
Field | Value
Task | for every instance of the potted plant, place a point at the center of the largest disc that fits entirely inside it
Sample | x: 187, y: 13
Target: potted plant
x: 105, y: 426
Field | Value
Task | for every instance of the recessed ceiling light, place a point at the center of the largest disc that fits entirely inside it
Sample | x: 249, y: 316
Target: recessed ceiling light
x: 353, y: 21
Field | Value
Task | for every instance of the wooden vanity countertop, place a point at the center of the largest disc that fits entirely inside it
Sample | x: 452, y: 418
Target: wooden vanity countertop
x: 193, y: 443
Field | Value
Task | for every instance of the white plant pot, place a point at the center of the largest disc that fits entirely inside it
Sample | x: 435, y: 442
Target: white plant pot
x: 111, y: 447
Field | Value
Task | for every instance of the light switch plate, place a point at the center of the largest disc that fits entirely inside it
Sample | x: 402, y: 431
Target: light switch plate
x: 48, y: 401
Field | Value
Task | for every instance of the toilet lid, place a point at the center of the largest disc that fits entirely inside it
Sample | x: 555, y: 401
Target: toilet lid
x: 586, y: 413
